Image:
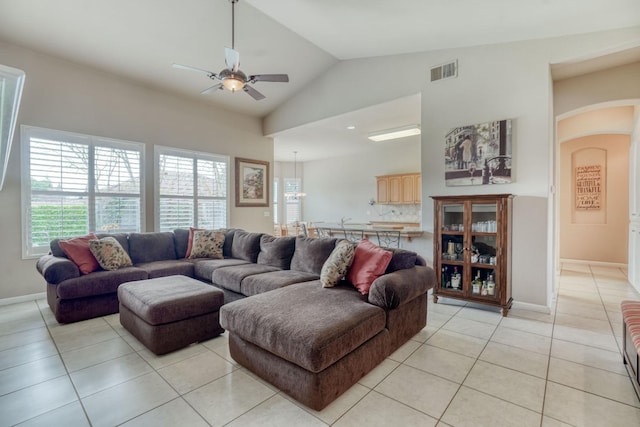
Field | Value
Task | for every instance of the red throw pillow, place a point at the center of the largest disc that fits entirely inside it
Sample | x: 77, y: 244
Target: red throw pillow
x: 190, y: 244
x: 369, y: 262
x: 77, y: 250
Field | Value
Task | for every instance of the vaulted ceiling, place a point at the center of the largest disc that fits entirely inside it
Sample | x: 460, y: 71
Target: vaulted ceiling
x: 141, y: 39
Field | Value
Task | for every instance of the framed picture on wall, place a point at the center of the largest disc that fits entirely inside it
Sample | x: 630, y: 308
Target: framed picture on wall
x: 478, y: 154
x: 252, y: 183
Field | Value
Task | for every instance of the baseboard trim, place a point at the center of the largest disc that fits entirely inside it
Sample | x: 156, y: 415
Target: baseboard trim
x: 531, y: 307
x: 23, y: 298
x: 597, y: 263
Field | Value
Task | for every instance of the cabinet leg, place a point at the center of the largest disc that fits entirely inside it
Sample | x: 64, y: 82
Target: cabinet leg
x: 435, y: 299
x: 504, y: 311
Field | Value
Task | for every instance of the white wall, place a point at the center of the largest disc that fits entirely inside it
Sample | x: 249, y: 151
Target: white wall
x: 495, y: 82
x: 65, y: 96
x: 342, y: 187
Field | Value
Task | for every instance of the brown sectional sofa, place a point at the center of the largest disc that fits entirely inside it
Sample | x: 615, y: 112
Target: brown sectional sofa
x: 311, y: 342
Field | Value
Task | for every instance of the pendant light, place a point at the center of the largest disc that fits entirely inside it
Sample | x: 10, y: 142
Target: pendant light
x: 294, y: 195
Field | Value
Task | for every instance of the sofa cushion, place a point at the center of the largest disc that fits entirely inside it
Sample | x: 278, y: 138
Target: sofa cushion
x: 98, y: 283
x: 77, y: 250
x: 149, y: 247
x: 231, y: 277
x: 55, y: 248
x: 109, y: 253
x: 203, y: 268
x: 264, y: 282
x: 336, y: 266
x: 311, y: 253
x: 401, y: 259
x: 206, y: 244
x: 168, y: 267
x: 169, y: 299
x: 276, y: 251
x: 305, y: 323
x: 181, y: 239
x: 369, y: 263
x: 246, y: 246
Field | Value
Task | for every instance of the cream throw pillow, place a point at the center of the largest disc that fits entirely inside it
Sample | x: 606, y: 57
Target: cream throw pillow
x: 109, y: 253
x: 336, y: 266
x: 207, y: 244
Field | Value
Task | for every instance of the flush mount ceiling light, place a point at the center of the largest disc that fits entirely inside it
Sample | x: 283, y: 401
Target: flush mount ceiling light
x: 395, y: 133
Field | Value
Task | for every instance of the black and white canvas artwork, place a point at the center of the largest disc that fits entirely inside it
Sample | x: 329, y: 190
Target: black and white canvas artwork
x: 478, y: 154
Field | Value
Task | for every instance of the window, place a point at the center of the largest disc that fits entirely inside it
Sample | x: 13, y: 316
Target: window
x: 292, y: 204
x: 275, y: 200
x: 11, y: 83
x: 191, y: 189
x: 73, y: 184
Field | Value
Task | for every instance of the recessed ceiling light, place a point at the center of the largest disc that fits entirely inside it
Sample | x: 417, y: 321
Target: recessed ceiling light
x: 351, y: 127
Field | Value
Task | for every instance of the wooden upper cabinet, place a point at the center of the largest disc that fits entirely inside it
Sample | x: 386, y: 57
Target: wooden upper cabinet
x: 395, y: 189
x: 398, y: 189
x: 408, y: 189
x: 417, y: 188
x: 382, y: 183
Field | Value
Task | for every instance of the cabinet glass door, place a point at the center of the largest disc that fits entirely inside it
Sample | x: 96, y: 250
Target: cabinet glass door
x: 452, y: 244
x: 484, y: 249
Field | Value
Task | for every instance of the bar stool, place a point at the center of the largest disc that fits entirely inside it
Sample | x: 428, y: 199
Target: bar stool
x: 323, y: 232
x: 353, y: 235
x: 388, y: 239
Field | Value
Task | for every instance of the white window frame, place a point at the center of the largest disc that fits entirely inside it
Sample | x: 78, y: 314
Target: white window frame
x: 195, y: 155
x: 276, y: 195
x: 28, y: 132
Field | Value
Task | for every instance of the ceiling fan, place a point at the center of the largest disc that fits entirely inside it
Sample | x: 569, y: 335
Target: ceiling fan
x: 232, y: 78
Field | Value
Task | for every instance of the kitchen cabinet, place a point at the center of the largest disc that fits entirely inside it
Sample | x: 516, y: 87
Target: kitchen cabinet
x: 398, y: 189
x: 472, y: 249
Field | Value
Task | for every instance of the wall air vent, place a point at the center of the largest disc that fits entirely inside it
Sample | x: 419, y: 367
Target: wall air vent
x: 444, y: 71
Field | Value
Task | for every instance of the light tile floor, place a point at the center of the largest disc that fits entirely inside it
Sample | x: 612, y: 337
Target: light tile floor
x: 468, y: 367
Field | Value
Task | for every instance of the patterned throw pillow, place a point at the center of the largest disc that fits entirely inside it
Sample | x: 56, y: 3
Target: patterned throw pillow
x: 336, y: 266
x: 207, y: 244
x: 109, y: 253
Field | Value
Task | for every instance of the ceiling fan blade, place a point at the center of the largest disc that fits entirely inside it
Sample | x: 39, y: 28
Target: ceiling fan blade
x: 254, y: 93
x: 190, y: 68
x: 282, y: 78
x: 232, y: 58
x: 212, y: 89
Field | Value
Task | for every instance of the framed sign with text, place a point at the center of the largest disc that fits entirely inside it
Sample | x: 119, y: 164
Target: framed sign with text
x: 588, y: 188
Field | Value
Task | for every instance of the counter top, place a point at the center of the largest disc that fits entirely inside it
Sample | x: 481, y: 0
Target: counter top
x: 370, y: 230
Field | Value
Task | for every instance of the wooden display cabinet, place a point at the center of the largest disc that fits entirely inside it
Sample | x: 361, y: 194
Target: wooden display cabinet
x: 471, y: 238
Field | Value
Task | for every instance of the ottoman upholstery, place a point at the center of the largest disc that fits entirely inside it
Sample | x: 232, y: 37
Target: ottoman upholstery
x: 168, y: 313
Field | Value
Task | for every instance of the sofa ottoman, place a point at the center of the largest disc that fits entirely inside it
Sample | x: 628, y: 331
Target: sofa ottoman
x: 168, y: 313
x: 311, y: 342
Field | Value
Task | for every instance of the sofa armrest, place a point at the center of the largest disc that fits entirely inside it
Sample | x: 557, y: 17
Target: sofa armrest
x: 57, y: 269
x: 394, y: 289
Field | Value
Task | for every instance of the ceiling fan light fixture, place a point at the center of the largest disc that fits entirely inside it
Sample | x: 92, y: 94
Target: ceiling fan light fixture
x: 233, y: 84
x: 395, y: 133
